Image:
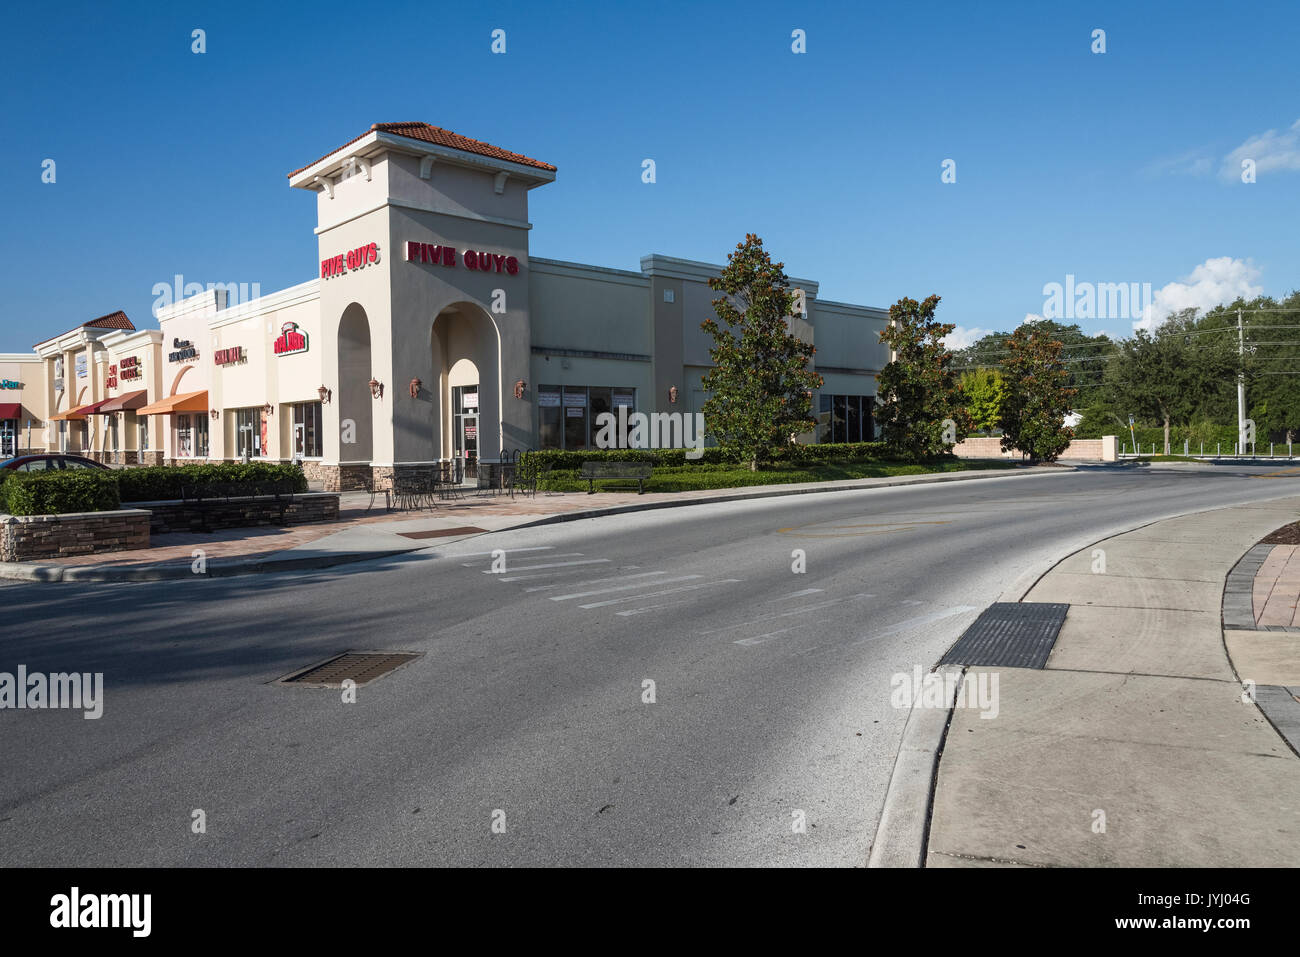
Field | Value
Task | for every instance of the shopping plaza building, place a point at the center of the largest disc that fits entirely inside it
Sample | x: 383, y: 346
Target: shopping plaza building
x: 430, y: 335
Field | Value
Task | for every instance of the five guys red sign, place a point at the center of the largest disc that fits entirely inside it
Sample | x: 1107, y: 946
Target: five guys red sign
x: 351, y: 260
x: 447, y: 256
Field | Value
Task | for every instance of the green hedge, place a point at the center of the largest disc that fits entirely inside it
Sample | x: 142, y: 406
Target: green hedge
x: 158, y: 483
x: 676, y: 458
x: 58, y: 493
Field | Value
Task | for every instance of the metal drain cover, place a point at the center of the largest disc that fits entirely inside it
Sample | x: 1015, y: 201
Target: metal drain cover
x: 361, y: 667
x: 1010, y: 634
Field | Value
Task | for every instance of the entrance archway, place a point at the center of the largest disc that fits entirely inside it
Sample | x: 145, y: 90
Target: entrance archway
x: 356, y: 425
x: 466, y: 362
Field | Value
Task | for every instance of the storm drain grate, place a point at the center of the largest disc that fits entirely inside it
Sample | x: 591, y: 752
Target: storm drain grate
x: 361, y: 667
x: 1011, y: 635
x: 443, y: 532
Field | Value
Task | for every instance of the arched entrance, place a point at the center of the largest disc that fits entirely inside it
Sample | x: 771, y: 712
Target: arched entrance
x: 356, y: 419
x: 466, y: 348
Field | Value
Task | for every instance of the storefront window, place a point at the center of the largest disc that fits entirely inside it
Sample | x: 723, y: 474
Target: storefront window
x: 8, y: 438
x: 192, y: 436
x: 566, y: 415
x: 845, y: 418
x: 248, y: 432
x: 144, y: 434
x: 307, y: 430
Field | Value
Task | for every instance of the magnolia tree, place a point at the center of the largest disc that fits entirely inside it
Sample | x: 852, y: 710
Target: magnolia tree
x: 1038, y: 397
x: 760, y: 381
x: 921, y: 413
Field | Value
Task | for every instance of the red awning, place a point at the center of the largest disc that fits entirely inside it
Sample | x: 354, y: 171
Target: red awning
x: 124, y: 402
x: 11, y: 410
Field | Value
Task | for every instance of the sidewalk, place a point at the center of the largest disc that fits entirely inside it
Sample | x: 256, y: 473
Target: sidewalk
x: 1133, y: 746
x: 363, y: 534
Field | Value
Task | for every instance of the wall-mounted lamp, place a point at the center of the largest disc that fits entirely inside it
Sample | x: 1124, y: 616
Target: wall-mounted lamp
x: 520, y: 386
x: 376, y: 389
x: 269, y: 409
x: 416, y: 385
x: 216, y: 414
x: 672, y: 394
x: 325, y: 394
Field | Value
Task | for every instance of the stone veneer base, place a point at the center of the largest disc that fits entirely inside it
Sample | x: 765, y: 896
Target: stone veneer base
x: 26, y: 538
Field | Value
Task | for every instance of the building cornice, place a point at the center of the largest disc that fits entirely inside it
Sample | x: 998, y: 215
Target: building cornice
x: 670, y: 267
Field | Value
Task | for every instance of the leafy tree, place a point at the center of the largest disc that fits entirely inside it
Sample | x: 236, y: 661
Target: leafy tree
x: 983, y: 391
x: 1038, y: 395
x: 760, y: 381
x: 1085, y: 356
x: 1173, y: 374
x: 920, y: 412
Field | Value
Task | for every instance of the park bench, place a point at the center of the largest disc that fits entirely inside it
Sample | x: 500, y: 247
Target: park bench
x: 625, y: 473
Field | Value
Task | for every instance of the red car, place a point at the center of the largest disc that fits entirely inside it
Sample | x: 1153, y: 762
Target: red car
x: 41, y: 463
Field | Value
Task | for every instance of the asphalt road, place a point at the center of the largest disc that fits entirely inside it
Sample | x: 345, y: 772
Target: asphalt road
x: 528, y: 706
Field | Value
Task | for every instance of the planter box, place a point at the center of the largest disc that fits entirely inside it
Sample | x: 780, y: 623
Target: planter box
x: 304, y: 508
x: 27, y: 538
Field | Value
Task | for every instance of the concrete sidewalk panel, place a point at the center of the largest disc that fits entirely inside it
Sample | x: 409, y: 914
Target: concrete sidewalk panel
x: 1120, y: 592
x: 1265, y: 657
x: 1185, y: 774
x: 1149, y: 641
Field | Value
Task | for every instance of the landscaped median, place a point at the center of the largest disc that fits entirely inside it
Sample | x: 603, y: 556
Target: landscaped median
x: 561, y: 471
x: 63, y: 514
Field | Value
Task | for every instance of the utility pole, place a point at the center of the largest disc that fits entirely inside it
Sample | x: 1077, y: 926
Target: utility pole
x: 1241, y: 387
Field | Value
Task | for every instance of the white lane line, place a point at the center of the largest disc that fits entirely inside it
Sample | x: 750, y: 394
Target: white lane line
x: 656, y: 594
x: 560, y: 555
x: 786, y: 614
x: 560, y: 574
x: 510, y: 551
x: 529, y: 568
x: 798, y: 594
x: 590, y: 581
x: 768, y: 636
x: 603, y: 591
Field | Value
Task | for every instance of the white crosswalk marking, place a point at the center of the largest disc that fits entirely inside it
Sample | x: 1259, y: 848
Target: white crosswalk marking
x: 515, y: 578
x: 511, y: 551
x: 560, y: 555
x: 602, y: 591
x: 656, y: 594
x: 768, y: 636
x: 798, y: 594
x: 589, y: 581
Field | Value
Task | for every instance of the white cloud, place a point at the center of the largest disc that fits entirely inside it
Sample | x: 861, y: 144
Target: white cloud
x: 961, y: 337
x: 1194, y: 163
x: 1212, y: 283
x: 1271, y: 151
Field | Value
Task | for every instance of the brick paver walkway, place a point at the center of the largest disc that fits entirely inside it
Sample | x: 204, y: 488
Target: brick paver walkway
x: 1277, y: 587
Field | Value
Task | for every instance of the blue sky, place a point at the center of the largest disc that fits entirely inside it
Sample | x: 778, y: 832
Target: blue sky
x: 1113, y: 167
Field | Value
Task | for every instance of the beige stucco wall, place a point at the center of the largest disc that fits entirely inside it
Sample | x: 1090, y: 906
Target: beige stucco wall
x: 29, y: 372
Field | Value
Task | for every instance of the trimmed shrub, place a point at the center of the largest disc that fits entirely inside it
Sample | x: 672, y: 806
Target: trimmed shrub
x: 159, y: 483
x: 676, y: 458
x: 60, y: 492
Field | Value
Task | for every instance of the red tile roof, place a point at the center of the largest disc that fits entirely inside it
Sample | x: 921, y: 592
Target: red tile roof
x: 114, y: 320
x: 439, y: 137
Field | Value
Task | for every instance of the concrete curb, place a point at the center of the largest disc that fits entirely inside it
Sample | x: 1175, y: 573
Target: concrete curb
x: 900, y: 840
x: 19, y: 571
x: 904, y: 827
x: 24, y: 571
x: 740, y: 495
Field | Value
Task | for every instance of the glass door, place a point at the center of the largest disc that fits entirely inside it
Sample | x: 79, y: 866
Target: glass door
x: 8, y: 438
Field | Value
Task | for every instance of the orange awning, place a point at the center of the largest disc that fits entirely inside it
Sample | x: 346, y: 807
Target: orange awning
x: 186, y: 402
x: 79, y: 413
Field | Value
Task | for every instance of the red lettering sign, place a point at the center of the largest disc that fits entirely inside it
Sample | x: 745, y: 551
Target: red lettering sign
x: 291, y: 340
x: 351, y: 260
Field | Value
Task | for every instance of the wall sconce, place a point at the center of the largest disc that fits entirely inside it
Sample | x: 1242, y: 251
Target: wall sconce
x: 376, y: 389
x: 672, y: 394
x: 416, y: 385
x: 325, y: 394
x: 269, y: 409
x: 520, y: 385
x: 216, y: 414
